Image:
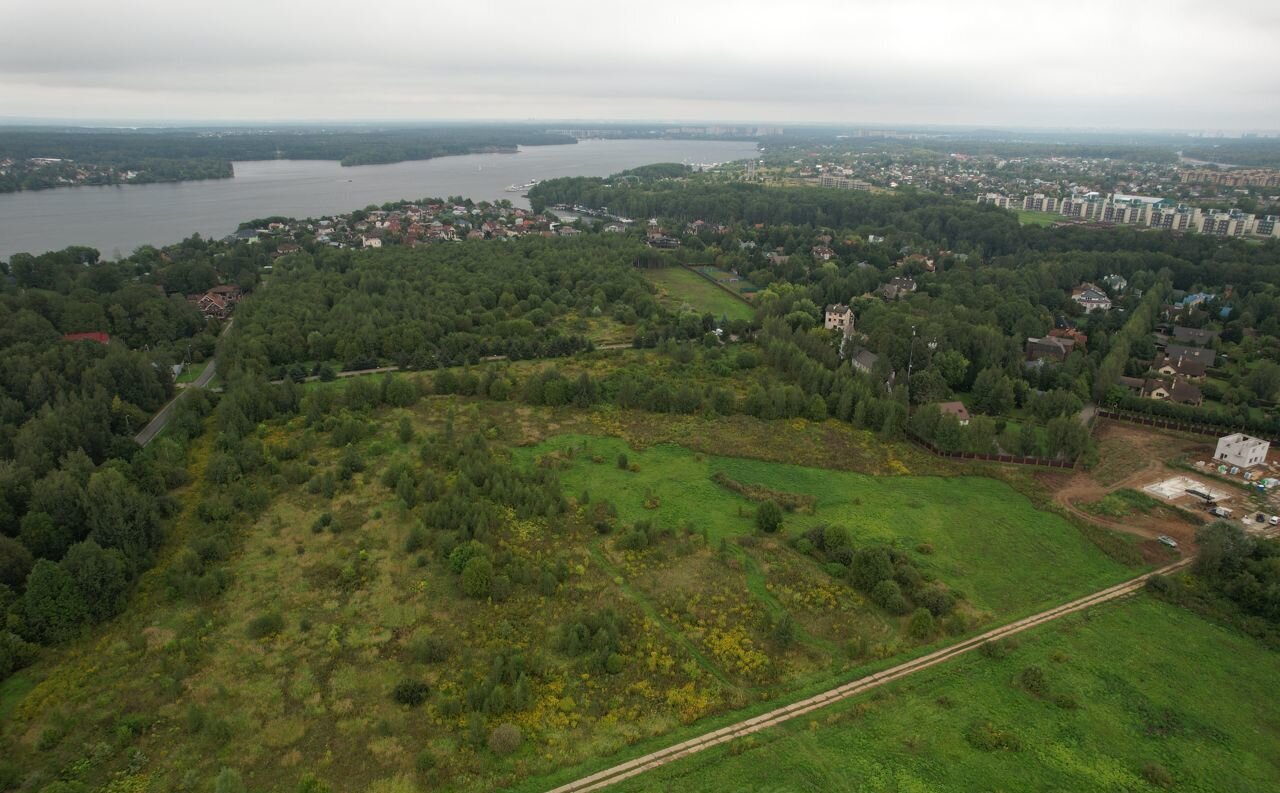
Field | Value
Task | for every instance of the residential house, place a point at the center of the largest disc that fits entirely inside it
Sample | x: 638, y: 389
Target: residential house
x: 1242, y: 450
x: 839, y: 317
x: 1134, y: 385
x: 1180, y: 366
x: 1081, y: 339
x: 1182, y: 352
x: 822, y: 253
x: 864, y: 360
x: 1091, y: 297
x: 1052, y: 347
x: 614, y: 228
x: 1197, y: 299
x: 896, y: 288
x: 372, y: 242
x: 956, y: 409
x: 214, y: 305
x: 1198, y: 337
x: 1153, y: 388
x: 1185, y: 393
x: 1177, y: 390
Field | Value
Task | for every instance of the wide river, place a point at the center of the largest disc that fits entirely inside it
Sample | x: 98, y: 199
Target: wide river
x: 118, y: 219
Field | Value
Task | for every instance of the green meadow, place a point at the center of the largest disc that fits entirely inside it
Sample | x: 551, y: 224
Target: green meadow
x: 987, y: 540
x: 682, y: 286
x: 1134, y: 696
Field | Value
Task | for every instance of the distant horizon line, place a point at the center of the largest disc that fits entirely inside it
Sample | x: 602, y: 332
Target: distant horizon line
x: 137, y: 123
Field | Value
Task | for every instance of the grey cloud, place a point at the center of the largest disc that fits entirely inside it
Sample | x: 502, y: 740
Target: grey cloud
x: 991, y: 62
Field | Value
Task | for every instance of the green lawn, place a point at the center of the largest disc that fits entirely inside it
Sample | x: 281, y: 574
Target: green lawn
x: 191, y: 372
x: 682, y: 286
x: 1154, y: 684
x: 988, y: 540
x: 1036, y: 218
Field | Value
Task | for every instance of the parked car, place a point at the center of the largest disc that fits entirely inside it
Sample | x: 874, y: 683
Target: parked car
x: 1167, y: 540
x: 1260, y: 518
x: 1275, y: 520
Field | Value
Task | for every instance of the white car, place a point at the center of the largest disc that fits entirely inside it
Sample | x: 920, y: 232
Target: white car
x: 1167, y: 540
x: 1275, y: 520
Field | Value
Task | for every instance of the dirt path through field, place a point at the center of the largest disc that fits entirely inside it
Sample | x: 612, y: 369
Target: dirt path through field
x: 764, y: 721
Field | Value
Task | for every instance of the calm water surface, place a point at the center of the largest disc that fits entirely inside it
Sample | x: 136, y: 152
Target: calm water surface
x: 118, y: 219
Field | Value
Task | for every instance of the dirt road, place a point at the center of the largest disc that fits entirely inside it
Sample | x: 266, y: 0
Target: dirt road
x: 662, y: 757
x: 1084, y: 487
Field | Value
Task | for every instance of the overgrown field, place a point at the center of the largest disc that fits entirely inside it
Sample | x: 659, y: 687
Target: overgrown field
x: 680, y: 286
x: 455, y: 594
x: 979, y: 535
x: 1133, y: 696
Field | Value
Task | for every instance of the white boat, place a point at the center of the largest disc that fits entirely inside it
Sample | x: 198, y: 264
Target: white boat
x: 520, y: 188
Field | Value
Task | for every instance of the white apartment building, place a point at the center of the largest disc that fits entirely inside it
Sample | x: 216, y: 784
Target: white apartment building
x: 1226, y: 224
x: 1146, y: 211
x: 1040, y: 203
x: 842, y: 183
x: 996, y: 199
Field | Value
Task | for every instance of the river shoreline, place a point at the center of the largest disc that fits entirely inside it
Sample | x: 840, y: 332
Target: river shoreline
x: 116, y: 219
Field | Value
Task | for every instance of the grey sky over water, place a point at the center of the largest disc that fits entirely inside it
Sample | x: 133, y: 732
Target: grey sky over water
x: 1174, y: 65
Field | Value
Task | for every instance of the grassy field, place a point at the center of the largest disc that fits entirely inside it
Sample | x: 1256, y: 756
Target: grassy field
x: 680, y: 286
x: 1155, y: 688
x: 987, y: 540
x: 338, y: 591
x: 1036, y: 218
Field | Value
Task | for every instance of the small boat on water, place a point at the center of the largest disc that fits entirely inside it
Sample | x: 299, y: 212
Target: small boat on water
x: 520, y: 188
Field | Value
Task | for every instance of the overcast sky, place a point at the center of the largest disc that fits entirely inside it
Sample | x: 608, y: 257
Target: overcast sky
x: 1172, y: 64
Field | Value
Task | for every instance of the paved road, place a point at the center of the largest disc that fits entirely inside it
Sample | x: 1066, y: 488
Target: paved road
x: 162, y: 417
x: 662, y: 757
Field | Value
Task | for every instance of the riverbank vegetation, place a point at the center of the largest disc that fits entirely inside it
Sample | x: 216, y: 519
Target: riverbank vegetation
x: 44, y: 158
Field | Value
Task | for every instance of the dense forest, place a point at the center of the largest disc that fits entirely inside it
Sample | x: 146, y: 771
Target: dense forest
x: 82, y: 507
x: 481, y: 299
x: 174, y: 155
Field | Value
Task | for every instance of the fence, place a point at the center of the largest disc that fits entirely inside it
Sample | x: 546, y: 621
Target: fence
x: 1045, y: 462
x: 1160, y: 422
